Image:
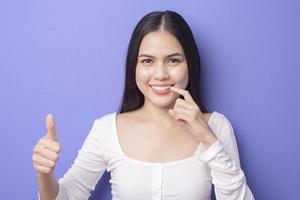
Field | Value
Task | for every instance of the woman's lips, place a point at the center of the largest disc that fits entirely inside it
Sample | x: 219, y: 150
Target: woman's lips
x: 161, y: 90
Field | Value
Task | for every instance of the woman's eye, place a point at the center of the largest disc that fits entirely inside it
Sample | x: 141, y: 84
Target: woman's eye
x: 174, y: 60
x: 146, y: 61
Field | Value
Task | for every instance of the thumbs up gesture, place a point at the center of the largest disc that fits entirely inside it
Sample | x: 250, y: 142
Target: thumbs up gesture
x: 45, y: 152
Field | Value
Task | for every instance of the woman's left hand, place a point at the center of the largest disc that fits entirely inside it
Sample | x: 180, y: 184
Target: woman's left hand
x: 188, y: 112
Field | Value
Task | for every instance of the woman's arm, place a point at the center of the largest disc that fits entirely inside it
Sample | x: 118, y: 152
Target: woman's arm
x: 223, y: 159
x: 86, y: 171
x: 48, y: 186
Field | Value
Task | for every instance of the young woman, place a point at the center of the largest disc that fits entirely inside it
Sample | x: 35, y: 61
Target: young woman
x: 162, y: 143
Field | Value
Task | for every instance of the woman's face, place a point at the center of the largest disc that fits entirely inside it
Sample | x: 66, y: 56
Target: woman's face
x: 161, y: 62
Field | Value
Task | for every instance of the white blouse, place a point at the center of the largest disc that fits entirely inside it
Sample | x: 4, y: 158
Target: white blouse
x: 131, y: 179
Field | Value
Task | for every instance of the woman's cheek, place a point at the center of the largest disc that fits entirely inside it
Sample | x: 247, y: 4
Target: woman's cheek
x: 143, y: 77
x: 143, y: 74
x: 180, y: 76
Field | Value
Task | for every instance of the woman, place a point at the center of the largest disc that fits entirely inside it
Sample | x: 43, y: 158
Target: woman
x: 162, y: 144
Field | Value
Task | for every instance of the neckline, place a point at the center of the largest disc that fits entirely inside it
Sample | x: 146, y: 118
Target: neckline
x: 155, y: 163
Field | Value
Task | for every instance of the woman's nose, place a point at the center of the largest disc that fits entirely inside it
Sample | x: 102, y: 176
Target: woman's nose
x: 160, y: 71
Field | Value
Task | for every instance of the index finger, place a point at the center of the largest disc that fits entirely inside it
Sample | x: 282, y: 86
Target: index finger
x: 184, y: 93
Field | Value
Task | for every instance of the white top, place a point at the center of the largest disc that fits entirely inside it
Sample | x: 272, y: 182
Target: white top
x: 131, y: 179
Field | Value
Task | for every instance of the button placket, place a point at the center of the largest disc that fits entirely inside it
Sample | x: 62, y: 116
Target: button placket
x: 158, y: 182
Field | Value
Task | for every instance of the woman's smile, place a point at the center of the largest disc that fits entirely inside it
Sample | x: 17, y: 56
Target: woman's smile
x: 161, y: 90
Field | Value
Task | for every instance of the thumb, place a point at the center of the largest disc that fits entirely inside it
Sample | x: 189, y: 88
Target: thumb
x: 50, y: 125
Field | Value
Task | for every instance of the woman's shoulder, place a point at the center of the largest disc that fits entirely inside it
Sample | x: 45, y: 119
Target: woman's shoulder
x: 218, y: 121
x: 129, y: 117
x: 221, y: 125
x: 105, y: 120
x: 110, y: 120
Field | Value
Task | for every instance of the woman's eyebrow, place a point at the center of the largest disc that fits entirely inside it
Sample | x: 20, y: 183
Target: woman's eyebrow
x: 174, y: 54
x: 146, y: 55
x: 168, y: 56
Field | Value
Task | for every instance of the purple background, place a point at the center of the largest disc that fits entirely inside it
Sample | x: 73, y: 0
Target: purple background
x: 67, y: 58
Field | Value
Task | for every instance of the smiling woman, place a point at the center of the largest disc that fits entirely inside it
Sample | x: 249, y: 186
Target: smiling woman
x: 161, y: 43
x: 162, y: 143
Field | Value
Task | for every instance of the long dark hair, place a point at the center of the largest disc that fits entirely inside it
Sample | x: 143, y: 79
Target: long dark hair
x: 175, y: 24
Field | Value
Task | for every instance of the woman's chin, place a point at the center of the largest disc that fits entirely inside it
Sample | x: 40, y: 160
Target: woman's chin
x: 162, y: 102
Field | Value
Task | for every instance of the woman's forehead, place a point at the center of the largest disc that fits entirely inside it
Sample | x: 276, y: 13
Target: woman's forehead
x: 160, y: 43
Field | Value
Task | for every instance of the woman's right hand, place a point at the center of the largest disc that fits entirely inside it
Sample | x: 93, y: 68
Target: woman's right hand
x: 45, y: 152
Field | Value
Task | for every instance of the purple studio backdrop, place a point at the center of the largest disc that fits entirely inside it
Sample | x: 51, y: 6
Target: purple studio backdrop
x: 67, y: 58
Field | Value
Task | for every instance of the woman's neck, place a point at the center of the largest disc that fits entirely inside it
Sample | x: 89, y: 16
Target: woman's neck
x: 156, y: 114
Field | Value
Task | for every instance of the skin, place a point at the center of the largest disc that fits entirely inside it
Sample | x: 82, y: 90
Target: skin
x: 161, y: 59
x: 45, y: 153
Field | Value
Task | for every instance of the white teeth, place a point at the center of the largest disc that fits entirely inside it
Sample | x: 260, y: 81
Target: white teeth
x: 160, y: 87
